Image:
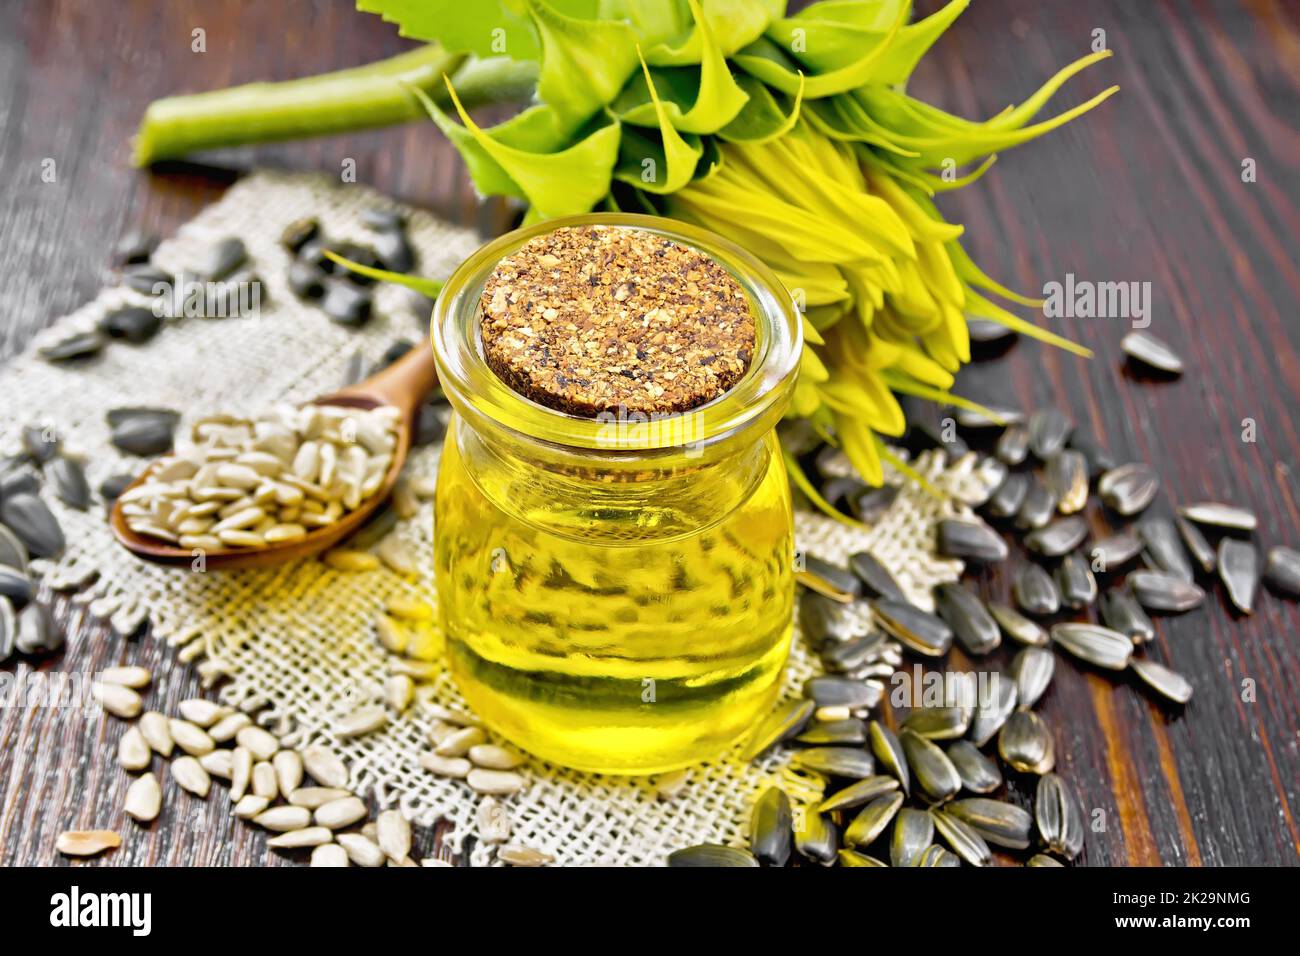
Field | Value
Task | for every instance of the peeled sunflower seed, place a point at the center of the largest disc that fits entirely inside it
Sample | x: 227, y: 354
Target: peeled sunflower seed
x: 711, y: 855
x: 876, y: 580
x: 249, y: 806
x: 992, y: 714
x: 340, y: 813
x: 132, y: 751
x: 261, y: 743
x: 118, y: 700
x: 86, y: 842
x: 1168, y: 593
x: 1219, y: 515
x: 157, y: 732
x: 889, y: 752
x: 288, y: 771
x: 962, y: 837
x: 934, y: 773
x: 1035, y: 591
x: 1196, y: 545
x: 143, y: 799
x: 1060, y: 537
x: 1282, y: 571
x: 771, y: 828
x: 970, y: 621
x: 997, y: 821
x: 978, y: 773
x: 1025, y: 743
x: 923, y: 633
x: 1239, y: 571
x: 298, y: 839
x: 190, y: 738
x: 1018, y: 627
x: 313, y: 798
x: 1161, y: 679
x: 872, y: 819
x: 1038, y: 507
x: 1067, y: 475
x: 127, y: 676
x: 1097, y: 645
x: 493, y: 822
x: 970, y: 540
x: 363, y: 720
x: 284, y: 819
x: 496, y: 783
x: 324, y: 767
x: 1075, y: 581
x: 1032, y: 671
x: 393, y: 833
x: 913, y: 832
x: 1121, y: 612
x: 1150, y: 351
x: 190, y: 775
x: 1048, y: 430
x: 1059, y: 816
x: 1164, y: 548
x: 1128, y: 489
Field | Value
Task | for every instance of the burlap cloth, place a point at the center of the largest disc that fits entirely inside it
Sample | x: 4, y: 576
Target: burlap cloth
x: 302, y: 635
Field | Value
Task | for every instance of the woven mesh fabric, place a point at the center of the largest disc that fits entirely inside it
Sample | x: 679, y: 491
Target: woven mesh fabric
x: 301, y: 636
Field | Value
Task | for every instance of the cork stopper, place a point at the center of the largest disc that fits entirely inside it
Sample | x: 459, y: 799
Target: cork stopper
x: 591, y: 319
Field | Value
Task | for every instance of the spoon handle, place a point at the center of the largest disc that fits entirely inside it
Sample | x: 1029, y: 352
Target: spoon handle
x: 403, y: 384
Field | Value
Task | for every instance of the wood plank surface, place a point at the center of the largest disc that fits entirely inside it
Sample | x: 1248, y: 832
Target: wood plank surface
x: 1148, y: 188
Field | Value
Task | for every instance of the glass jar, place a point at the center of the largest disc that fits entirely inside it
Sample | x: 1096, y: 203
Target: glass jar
x: 616, y: 592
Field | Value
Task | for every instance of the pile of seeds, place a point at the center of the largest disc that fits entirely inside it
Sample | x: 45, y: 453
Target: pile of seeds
x: 857, y: 793
x: 301, y: 796
x: 247, y: 483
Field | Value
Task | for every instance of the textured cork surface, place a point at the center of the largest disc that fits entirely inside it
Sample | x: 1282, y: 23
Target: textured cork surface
x: 592, y: 319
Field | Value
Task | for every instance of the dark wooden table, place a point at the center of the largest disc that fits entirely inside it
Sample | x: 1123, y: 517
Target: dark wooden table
x: 1148, y: 188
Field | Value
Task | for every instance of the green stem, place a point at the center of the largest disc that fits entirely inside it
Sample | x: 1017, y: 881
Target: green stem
x: 359, y: 98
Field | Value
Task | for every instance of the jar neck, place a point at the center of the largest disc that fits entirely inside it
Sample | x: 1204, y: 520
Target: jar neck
x: 605, y: 497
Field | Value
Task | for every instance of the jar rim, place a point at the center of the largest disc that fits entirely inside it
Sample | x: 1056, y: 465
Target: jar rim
x: 484, y: 400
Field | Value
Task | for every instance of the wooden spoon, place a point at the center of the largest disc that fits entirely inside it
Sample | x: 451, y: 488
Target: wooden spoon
x: 404, y: 385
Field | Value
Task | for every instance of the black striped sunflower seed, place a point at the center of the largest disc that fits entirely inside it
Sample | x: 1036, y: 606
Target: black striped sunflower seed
x: 1282, y: 571
x: 1121, y: 612
x: 1034, y: 591
x: 850, y: 730
x: 935, y: 855
x: 823, y: 620
x: 1239, y: 571
x: 1112, y: 553
x: 849, y: 858
x: 1038, y: 507
x: 1218, y: 515
x: 1075, y: 581
x: 69, y: 482
x: 1164, y: 549
x: 962, y: 837
x: 771, y: 828
x: 1057, y: 538
x: 1016, y: 626
x: 858, y: 793
x: 1197, y: 546
x: 1032, y: 671
x: 970, y: 541
x: 816, y: 838
x: 1013, y: 445
x: 938, y: 723
x: 872, y: 819
x: 970, y: 621
x: 1043, y: 860
x: 15, y: 586
x: 1166, y: 593
x: 978, y: 773
x: 992, y: 714
x: 1025, y: 744
x: 934, y: 773
x: 1049, y: 428
x: 832, y: 691
x: 848, y: 763
x: 913, y: 832
x: 711, y: 855
x: 840, y: 579
x: 844, y: 656
x: 1128, y: 489
x: 1059, y: 815
x: 1067, y: 475
x: 13, y: 553
x: 32, y: 522
x: 889, y: 753
x: 920, y: 632
x: 8, y: 629
x: 1099, y: 646
x: 876, y: 580
x: 783, y: 723
x: 870, y: 505
x: 1150, y: 351
x: 1008, y: 497
x: 997, y: 821
x: 1162, y: 680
